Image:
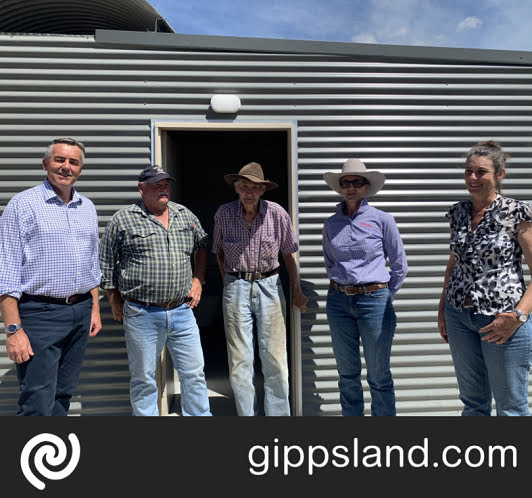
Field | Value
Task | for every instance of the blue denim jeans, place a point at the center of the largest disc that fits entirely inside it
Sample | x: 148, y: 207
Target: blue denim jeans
x: 369, y: 317
x: 147, y: 330
x: 58, y: 335
x: 262, y: 303
x: 484, y: 368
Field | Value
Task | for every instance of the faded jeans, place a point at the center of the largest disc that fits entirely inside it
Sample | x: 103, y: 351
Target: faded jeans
x: 369, y: 317
x: 262, y: 302
x: 484, y: 368
x: 147, y: 330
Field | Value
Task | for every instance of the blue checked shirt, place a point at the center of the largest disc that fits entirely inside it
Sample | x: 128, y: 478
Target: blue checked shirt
x: 356, y: 249
x: 143, y: 260
x: 48, y: 247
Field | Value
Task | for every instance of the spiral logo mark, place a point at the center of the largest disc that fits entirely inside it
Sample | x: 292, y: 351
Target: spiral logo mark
x: 53, y: 451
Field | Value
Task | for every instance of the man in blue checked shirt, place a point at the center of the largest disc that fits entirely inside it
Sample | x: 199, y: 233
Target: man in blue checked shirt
x: 49, y: 278
x: 145, y: 256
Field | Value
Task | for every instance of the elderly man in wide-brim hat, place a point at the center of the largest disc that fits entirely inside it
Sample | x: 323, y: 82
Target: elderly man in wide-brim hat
x: 357, y: 242
x: 249, y: 234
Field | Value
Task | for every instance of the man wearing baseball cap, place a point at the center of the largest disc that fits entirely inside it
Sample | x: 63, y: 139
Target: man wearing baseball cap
x: 145, y: 256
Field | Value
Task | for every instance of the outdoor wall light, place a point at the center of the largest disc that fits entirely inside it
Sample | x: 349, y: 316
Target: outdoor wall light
x: 225, y: 104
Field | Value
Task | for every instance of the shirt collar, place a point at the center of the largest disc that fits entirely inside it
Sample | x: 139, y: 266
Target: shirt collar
x: 494, y: 206
x: 173, y: 208
x: 364, y: 206
x: 263, y: 207
x: 50, y: 193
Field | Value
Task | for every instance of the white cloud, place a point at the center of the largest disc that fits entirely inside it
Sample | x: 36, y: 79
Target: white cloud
x: 399, y: 33
x: 470, y: 23
x: 364, y: 38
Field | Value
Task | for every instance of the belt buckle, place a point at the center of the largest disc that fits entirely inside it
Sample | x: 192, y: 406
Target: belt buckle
x: 172, y: 304
x: 67, y: 300
x: 252, y: 276
x: 350, y: 291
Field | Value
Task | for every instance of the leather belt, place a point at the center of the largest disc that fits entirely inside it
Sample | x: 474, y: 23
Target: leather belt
x: 169, y: 305
x: 74, y: 299
x: 351, y: 290
x: 253, y: 275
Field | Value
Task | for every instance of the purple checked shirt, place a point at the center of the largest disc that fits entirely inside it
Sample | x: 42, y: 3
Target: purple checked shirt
x: 355, y: 249
x: 255, y: 249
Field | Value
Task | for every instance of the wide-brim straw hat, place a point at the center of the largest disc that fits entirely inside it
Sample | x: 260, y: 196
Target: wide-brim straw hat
x: 356, y: 167
x: 252, y: 172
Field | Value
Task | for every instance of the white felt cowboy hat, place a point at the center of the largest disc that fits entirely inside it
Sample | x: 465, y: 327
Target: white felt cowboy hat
x: 355, y: 167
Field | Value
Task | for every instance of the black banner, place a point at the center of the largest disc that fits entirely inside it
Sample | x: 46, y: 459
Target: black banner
x: 232, y: 456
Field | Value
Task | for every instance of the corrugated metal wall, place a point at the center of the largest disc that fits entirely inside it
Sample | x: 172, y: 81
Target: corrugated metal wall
x: 412, y: 121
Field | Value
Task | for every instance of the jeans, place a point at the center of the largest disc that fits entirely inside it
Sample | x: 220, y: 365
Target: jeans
x: 369, y: 317
x: 58, y: 335
x: 485, y: 368
x: 261, y: 302
x: 147, y: 330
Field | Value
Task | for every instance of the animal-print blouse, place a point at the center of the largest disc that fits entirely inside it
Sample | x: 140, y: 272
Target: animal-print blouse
x: 488, y: 260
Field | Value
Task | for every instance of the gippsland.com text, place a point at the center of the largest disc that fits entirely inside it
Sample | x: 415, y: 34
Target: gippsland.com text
x: 277, y: 457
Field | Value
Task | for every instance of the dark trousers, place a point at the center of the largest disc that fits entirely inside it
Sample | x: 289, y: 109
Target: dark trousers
x: 58, y: 335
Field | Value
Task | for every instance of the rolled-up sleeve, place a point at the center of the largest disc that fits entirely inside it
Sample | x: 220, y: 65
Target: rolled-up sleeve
x: 201, y: 237
x: 11, y: 251
x: 288, y: 243
x: 110, y: 255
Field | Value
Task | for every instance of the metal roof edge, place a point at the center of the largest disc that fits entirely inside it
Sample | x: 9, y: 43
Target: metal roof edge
x: 272, y: 45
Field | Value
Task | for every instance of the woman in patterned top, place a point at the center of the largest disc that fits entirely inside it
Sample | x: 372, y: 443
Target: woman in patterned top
x: 483, y: 312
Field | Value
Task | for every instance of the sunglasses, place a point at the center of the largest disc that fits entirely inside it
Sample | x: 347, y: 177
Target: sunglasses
x: 353, y: 183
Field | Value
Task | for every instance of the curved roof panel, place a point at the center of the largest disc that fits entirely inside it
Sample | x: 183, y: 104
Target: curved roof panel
x: 79, y: 17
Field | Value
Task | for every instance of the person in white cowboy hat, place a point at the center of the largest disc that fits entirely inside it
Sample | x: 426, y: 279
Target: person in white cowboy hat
x: 249, y: 234
x: 357, y: 241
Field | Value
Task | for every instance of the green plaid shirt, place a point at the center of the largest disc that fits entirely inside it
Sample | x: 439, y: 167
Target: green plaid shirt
x: 143, y: 260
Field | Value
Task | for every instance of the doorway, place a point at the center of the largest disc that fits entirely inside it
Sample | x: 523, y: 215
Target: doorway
x: 198, y: 157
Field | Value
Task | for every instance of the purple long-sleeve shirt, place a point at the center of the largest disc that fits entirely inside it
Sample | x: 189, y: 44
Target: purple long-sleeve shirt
x: 355, y: 249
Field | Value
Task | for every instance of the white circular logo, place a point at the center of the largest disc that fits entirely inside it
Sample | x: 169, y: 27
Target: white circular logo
x: 52, y: 451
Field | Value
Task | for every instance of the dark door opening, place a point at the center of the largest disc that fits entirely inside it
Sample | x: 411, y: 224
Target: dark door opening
x: 198, y: 160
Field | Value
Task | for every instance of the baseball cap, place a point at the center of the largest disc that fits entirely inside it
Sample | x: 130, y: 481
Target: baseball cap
x: 153, y: 174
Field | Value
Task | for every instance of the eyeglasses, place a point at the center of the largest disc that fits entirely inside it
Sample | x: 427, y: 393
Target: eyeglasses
x: 353, y: 183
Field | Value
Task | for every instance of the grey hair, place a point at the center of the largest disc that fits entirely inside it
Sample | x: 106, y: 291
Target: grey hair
x: 67, y: 141
x: 493, y: 151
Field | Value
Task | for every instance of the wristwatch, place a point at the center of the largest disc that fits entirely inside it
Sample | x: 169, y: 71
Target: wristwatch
x: 13, y: 327
x: 522, y: 317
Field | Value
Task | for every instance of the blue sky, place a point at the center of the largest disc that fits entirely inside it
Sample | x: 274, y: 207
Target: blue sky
x: 491, y: 24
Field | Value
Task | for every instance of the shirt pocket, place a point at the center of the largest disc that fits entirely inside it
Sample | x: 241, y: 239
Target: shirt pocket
x: 141, y: 240
x: 269, y: 249
x: 183, y: 237
x: 232, y: 245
